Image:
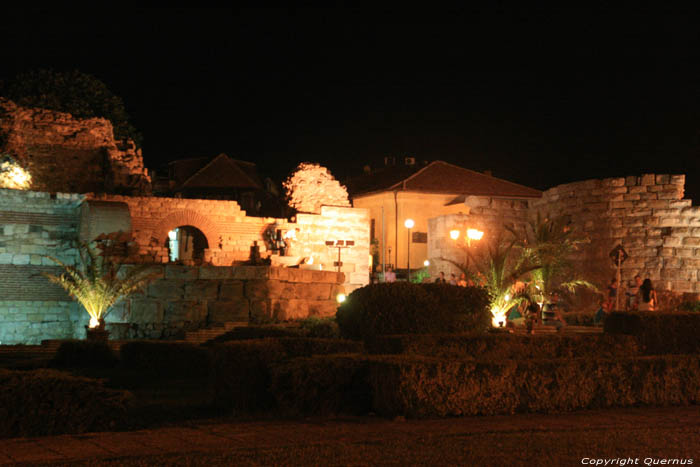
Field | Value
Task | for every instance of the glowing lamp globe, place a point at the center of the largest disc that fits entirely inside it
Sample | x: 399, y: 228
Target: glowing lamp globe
x: 409, y: 223
x: 454, y: 234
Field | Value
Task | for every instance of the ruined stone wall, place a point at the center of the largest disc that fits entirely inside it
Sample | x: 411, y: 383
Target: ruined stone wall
x: 64, y: 154
x: 490, y: 215
x: 34, y: 225
x: 646, y: 214
x: 189, y: 298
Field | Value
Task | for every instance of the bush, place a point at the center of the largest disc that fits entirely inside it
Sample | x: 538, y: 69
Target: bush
x: 241, y: 370
x: 426, y: 387
x: 658, y: 333
x: 690, y: 306
x: 258, y: 332
x: 84, y: 354
x: 496, y: 347
x: 166, y: 359
x: 405, y: 308
x: 240, y: 377
x: 579, y: 318
x: 320, y: 327
x: 324, y: 385
x: 47, y: 402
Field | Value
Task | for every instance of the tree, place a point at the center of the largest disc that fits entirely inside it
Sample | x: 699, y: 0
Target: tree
x: 97, y: 282
x: 551, y: 242
x: 79, y: 94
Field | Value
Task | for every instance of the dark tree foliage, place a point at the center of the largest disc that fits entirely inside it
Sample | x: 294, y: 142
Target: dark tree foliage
x: 74, y: 92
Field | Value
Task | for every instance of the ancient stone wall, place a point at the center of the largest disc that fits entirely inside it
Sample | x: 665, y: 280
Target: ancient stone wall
x: 189, y: 298
x: 646, y: 214
x: 54, y: 147
x: 490, y: 215
x: 34, y: 225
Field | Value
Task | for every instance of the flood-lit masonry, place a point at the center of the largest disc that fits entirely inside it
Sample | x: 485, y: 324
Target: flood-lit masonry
x: 220, y: 289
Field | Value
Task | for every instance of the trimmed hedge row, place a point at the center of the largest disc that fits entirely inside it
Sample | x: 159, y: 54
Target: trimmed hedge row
x: 424, y: 387
x: 407, y: 308
x: 84, y: 354
x: 241, y: 370
x: 47, y: 402
x: 323, y: 385
x: 658, y: 333
x: 258, y: 332
x: 581, y: 318
x: 495, y: 347
x: 166, y: 359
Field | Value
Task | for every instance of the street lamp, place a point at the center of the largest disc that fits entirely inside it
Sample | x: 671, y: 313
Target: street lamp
x: 472, y: 234
x: 409, y: 225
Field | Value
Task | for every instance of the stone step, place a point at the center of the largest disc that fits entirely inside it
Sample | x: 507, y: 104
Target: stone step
x: 213, y: 331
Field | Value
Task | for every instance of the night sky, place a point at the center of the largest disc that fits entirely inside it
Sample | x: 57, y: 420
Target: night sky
x: 540, y: 97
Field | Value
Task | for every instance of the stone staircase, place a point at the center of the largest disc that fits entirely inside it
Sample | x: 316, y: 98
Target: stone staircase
x: 203, y: 335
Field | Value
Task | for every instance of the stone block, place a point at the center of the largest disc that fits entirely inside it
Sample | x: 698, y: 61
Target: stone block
x: 214, y: 272
x: 691, y: 241
x: 146, y: 311
x: 672, y: 262
x: 175, y: 271
x: 682, y: 286
x: 202, y: 290
x: 693, y: 263
x: 285, y: 310
x: 647, y: 179
x: 20, y: 259
x: 260, y: 311
x: 672, y: 241
x: 168, y: 289
x: 231, y: 290
x: 322, y: 308
x: 237, y: 310
x: 185, y: 310
x: 251, y: 272
x: 684, y: 252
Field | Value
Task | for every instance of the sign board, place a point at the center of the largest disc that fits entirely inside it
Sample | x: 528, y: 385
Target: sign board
x: 620, y: 252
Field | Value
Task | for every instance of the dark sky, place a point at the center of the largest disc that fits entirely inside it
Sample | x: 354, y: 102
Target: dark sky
x: 541, y: 97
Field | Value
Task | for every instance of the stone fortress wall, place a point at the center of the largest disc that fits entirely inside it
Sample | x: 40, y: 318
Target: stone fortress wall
x: 36, y: 225
x: 645, y: 214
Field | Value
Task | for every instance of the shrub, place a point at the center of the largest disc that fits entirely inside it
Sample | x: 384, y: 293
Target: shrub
x: 166, y: 359
x: 405, y: 308
x: 240, y: 378
x: 426, y: 387
x: 84, y: 354
x: 47, y: 402
x: 690, y: 306
x: 659, y: 332
x: 497, y: 347
x: 327, y: 384
x: 320, y: 327
x: 579, y: 318
x: 258, y: 332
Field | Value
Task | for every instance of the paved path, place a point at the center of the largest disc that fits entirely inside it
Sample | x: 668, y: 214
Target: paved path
x: 215, y: 437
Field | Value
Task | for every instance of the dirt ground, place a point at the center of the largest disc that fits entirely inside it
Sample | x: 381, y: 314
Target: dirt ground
x: 649, y: 436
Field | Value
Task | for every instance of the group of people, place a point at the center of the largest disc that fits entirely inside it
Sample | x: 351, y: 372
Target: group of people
x: 640, y: 295
x: 461, y: 282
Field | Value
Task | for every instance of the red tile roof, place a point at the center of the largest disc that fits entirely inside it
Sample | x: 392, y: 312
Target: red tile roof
x: 442, y: 177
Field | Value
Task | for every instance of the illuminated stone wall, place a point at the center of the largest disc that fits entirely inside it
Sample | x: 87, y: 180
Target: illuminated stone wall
x: 189, y: 298
x: 646, y: 214
x: 55, y: 147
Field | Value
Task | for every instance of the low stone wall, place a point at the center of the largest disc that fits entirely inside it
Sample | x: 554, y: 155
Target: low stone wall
x: 188, y: 298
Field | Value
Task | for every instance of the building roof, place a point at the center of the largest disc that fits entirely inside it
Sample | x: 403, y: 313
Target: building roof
x: 219, y: 172
x: 439, y: 177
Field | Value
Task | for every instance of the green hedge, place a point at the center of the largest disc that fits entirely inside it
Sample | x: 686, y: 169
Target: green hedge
x: 240, y: 377
x: 657, y: 332
x: 47, y: 402
x: 579, y: 318
x: 166, y: 359
x: 494, y: 347
x: 426, y: 387
x: 323, y: 385
x: 84, y: 354
x: 406, y: 308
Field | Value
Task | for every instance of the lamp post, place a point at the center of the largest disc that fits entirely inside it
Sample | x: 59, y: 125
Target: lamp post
x: 472, y: 234
x: 409, y: 225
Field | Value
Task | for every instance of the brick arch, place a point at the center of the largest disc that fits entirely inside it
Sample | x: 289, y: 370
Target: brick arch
x: 187, y: 217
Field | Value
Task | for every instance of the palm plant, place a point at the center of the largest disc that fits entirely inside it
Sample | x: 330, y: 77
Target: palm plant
x: 97, y: 282
x: 551, y: 243
x: 499, y: 270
